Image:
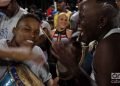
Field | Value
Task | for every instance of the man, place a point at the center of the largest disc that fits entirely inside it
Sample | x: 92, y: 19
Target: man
x: 97, y: 23
x: 25, y: 34
x: 118, y: 3
x: 12, y: 12
x: 4, y: 2
x: 22, y: 53
x: 74, y: 21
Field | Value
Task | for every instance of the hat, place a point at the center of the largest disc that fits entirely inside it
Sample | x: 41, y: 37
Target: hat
x: 4, y: 3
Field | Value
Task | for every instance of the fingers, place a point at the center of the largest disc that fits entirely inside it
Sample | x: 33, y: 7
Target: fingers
x: 53, y: 51
x: 55, y: 81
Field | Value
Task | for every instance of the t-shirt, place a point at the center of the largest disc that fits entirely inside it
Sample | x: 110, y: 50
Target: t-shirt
x: 74, y: 20
x: 7, y: 24
x: 45, y: 24
x: 40, y: 71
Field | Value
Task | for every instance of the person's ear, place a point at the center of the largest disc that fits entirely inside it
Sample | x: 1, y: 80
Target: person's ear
x: 102, y: 21
x: 14, y: 30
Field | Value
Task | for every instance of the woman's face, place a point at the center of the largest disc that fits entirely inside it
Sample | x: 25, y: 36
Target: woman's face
x: 62, y: 21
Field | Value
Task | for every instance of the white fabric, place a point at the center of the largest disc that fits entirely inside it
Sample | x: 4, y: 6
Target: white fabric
x: 116, y: 30
x: 44, y: 24
x: 74, y: 20
x: 112, y: 31
x: 7, y: 24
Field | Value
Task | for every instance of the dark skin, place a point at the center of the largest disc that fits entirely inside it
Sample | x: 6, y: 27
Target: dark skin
x: 67, y: 56
x: 107, y: 60
x: 11, y: 9
x: 95, y: 23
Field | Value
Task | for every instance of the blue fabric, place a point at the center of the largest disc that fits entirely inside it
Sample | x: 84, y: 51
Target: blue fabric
x: 7, y: 80
x: 87, y: 64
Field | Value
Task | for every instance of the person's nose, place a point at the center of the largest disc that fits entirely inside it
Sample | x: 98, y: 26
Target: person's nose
x: 33, y: 34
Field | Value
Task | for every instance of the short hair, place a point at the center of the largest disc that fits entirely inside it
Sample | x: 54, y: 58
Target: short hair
x: 29, y: 15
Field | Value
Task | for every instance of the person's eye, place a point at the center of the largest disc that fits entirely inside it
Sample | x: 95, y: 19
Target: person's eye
x: 61, y: 19
x: 65, y: 19
x: 27, y: 29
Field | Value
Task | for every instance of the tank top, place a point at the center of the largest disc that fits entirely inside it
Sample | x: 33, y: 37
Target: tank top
x: 60, y: 37
x: 112, y: 31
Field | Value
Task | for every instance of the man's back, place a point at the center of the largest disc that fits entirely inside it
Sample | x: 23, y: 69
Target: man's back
x: 107, y: 59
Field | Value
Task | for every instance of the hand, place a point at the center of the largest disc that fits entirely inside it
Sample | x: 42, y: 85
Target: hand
x: 66, y: 55
x: 55, y: 81
x: 25, y: 53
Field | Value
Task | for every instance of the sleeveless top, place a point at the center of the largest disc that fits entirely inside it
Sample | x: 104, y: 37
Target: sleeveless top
x: 60, y: 36
x: 112, y: 31
x: 62, y: 71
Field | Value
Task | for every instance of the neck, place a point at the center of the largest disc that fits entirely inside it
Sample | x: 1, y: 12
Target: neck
x: 60, y: 29
x: 14, y: 13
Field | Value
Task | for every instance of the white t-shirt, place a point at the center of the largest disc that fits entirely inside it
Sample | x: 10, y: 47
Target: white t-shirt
x: 44, y: 24
x: 38, y: 70
x: 7, y: 24
x: 74, y: 20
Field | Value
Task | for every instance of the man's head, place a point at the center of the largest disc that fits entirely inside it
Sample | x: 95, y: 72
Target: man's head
x: 33, y: 9
x: 4, y: 3
x: 26, y: 30
x: 61, y: 5
x: 95, y: 19
x: 10, y: 8
x: 118, y: 3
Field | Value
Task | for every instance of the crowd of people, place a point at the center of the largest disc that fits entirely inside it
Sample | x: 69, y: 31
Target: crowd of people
x: 63, y: 47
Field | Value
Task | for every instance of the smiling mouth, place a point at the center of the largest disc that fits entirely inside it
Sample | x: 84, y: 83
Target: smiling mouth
x: 30, y: 41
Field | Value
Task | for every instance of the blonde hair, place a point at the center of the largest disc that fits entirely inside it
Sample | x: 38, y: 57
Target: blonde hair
x: 61, y: 14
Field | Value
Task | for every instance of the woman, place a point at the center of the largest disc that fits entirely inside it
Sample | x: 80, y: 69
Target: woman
x: 62, y: 34
x: 62, y: 31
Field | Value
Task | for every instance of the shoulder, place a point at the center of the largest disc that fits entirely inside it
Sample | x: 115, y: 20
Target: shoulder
x: 3, y: 43
x: 20, y: 13
x: 38, y: 50
x: 23, y: 11
x: 111, y: 42
x: 45, y: 24
x: 107, y: 58
x: 108, y: 51
x: 75, y: 15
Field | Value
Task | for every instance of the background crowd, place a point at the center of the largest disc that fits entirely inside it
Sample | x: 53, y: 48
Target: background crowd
x: 59, y: 43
